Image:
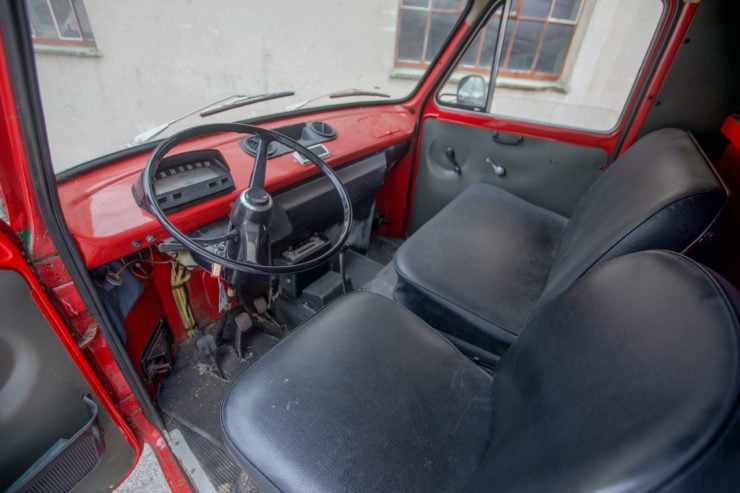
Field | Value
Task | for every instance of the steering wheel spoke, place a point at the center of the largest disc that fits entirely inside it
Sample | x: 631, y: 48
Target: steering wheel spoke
x: 257, y: 180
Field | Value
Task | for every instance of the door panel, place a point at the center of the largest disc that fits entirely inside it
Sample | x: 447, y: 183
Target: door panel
x: 544, y: 172
x: 43, y: 405
x: 567, y: 77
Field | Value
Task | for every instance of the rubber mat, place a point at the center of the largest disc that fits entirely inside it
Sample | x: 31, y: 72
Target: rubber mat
x: 382, y: 248
x: 192, y: 394
x: 218, y: 465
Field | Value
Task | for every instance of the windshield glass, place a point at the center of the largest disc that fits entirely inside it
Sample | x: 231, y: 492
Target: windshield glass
x: 114, y: 74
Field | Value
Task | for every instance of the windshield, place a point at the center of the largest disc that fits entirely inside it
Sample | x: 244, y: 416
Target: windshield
x: 113, y: 73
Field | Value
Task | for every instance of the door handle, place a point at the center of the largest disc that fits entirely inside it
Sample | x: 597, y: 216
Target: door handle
x: 450, y: 155
x: 507, y: 139
x: 498, y: 169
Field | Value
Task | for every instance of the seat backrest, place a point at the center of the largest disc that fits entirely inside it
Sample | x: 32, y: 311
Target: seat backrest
x: 626, y: 381
x: 661, y: 193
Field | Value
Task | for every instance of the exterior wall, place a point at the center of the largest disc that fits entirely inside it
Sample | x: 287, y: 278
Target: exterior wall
x: 142, y: 78
x: 616, y: 37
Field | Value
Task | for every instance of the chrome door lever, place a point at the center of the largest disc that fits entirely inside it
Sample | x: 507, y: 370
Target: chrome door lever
x: 499, y: 170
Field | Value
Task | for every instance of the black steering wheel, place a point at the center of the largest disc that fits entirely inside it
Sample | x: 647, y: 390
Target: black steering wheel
x: 251, y: 213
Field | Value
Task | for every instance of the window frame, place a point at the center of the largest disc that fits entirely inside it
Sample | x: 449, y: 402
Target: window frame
x: 667, y: 18
x: 61, y: 41
x: 429, y: 10
x: 514, y: 16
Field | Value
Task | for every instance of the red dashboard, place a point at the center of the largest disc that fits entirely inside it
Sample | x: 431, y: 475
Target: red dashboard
x: 107, y: 224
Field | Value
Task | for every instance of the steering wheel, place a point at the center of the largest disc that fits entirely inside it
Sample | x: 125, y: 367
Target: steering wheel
x: 251, y: 213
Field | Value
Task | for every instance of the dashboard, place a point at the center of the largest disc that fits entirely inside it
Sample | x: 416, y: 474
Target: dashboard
x: 199, y: 180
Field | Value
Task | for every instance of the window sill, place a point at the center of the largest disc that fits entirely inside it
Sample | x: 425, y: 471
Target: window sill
x: 69, y: 50
x: 506, y: 82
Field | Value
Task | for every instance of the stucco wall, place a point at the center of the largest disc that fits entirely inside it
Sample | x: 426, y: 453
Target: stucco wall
x: 160, y: 60
x: 143, y: 78
x: 617, y: 35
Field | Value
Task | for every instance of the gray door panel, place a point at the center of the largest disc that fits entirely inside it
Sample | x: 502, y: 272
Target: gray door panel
x: 41, y: 393
x: 547, y: 173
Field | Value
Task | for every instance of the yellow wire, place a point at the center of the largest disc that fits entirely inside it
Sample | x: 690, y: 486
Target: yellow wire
x: 178, y: 277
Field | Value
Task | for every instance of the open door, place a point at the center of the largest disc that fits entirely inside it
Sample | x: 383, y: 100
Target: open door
x: 59, y: 432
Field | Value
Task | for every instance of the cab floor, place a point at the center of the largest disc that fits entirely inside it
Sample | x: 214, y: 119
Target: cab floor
x: 190, y: 397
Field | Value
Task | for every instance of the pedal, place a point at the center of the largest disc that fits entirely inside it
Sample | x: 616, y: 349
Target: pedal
x: 243, y: 324
x: 207, y: 347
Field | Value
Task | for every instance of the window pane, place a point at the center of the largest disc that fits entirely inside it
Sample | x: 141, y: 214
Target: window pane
x: 83, y: 20
x: 470, y: 58
x: 535, y: 8
x: 440, y: 27
x: 467, y: 85
x: 445, y: 4
x: 358, y: 49
x: 566, y: 9
x: 603, y: 62
x: 488, y: 37
x: 411, y: 37
x: 489, y: 44
x: 525, y: 45
x: 66, y: 20
x: 554, y: 48
x: 415, y: 3
x: 42, y: 20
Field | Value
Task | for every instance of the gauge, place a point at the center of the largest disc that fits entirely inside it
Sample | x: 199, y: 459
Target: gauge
x: 188, y: 178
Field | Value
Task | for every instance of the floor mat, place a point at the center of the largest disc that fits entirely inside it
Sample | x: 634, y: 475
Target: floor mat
x: 359, y: 268
x: 192, y: 393
x: 384, y: 283
x: 190, y: 400
x: 382, y: 248
x: 190, y: 397
x: 216, y: 461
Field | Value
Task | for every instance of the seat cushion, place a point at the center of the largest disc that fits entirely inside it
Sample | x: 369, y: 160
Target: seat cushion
x: 476, y: 269
x: 626, y: 381
x: 364, y: 397
x: 662, y: 193
x: 619, y: 384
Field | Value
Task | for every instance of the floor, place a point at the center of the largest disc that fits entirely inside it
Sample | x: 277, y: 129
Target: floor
x: 190, y: 398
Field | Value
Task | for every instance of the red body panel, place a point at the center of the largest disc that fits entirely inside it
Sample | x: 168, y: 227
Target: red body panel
x: 79, y: 333
x: 16, y: 186
x: 12, y: 258
x: 105, y: 220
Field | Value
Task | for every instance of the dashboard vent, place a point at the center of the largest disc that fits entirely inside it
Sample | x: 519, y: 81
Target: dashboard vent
x: 251, y: 144
x: 323, y: 130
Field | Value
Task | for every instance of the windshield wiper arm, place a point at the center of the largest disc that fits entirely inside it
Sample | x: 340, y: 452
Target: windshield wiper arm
x: 243, y: 101
x: 344, y: 93
x: 233, y: 101
x: 153, y: 132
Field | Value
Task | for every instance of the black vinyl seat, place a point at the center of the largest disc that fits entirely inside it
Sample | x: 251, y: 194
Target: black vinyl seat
x: 478, y: 268
x: 628, y: 380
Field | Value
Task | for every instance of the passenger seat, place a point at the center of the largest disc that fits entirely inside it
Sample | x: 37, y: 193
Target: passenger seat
x: 479, y: 268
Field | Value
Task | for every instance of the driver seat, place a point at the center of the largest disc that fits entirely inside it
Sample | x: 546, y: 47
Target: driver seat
x: 628, y: 380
